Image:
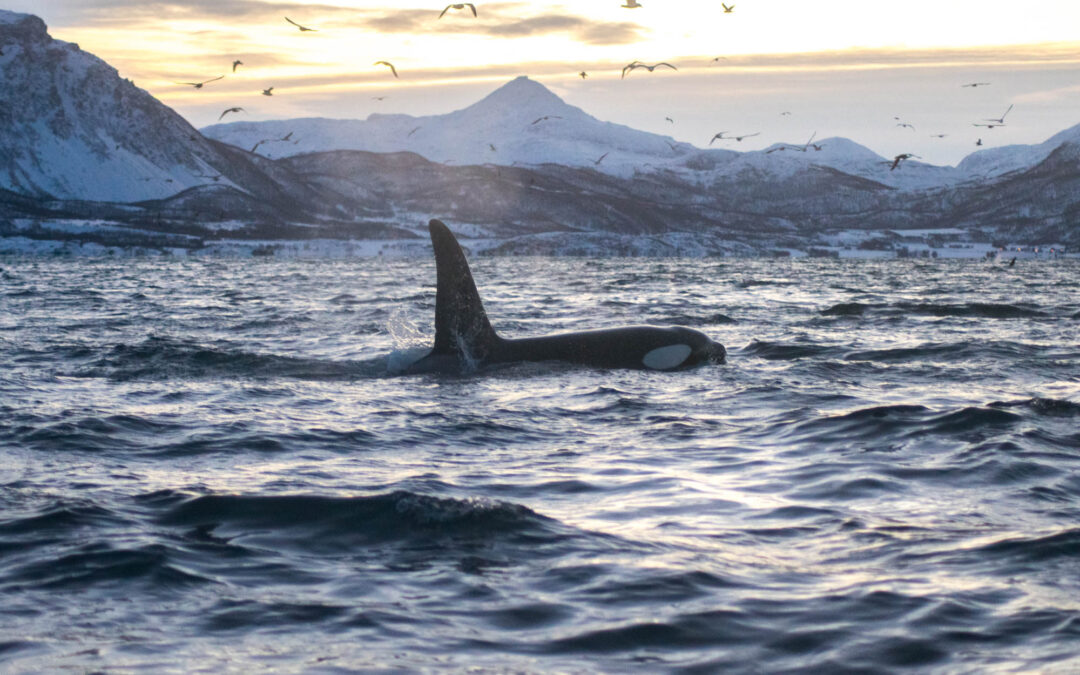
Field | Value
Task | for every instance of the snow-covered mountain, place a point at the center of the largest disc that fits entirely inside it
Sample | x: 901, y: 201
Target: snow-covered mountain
x: 994, y: 162
x: 524, y: 123
x: 73, y: 129
x: 521, y: 122
x: 80, y: 145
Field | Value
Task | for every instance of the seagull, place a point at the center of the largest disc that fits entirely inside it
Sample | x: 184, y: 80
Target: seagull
x: 256, y: 146
x: 899, y: 158
x: 236, y: 63
x: 974, y: 84
x: 229, y: 110
x: 905, y: 124
x: 583, y: 74
x: 638, y: 64
x: 631, y: 4
x: 738, y: 139
x: 286, y: 137
x: 492, y: 146
x: 545, y: 117
x: 670, y: 120
x: 199, y: 85
x: 303, y: 29
x: 268, y: 92
x: 387, y: 63
x: 718, y: 136
x: 600, y: 159
x: 377, y: 98
x: 785, y: 114
x: 938, y: 135
x: 718, y: 59
x: 978, y: 142
x: 999, y: 120
x: 988, y: 126
x: 412, y: 132
x: 459, y: 5
x: 727, y: 9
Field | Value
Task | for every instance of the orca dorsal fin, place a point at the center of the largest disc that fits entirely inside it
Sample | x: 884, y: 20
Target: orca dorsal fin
x: 461, y: 324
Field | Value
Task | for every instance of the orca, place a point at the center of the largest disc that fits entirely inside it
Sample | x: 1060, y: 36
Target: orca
x: 465, y: 340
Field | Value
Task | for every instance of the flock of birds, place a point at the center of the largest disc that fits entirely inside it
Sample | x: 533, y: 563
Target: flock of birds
x: 988, y: 123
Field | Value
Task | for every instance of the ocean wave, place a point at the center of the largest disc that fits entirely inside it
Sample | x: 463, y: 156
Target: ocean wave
x: 1049, y: 407
x: 94, y: 433
x: 695, y: 320
x: 347, y: 522
x: 879, y: 424
x: 99, y: 563
x: 982, y: 310
x: 781, y: 351
x: 158, y: 358
x: 948, y: 351
x: 1062, y: 544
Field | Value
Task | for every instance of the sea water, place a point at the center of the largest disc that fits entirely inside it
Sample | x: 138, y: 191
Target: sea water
x: 210, y: 466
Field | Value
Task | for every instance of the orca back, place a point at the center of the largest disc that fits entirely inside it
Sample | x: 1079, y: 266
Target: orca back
x: 462, y: 328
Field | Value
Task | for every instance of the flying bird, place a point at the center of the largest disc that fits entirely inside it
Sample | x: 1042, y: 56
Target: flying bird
x: 938, y: 135
x: 631, y: 4
x: 999, y: 120
x: 199, y: 85
x: 229, y: 110
x: 974, y: 84
x: 377, y: 98
x: 905, y: 124
x: 738, y: 139
x: 492, y: 146
x: 727, y: 9
x: 545, y: 117
x: 268, y: 92
x: 900, y: 158
x: 412, y: 132
x: 670, y: 120
x: 459, y: 5
x: 286, y: 137
x: 583, y: 74
x: 638, y: 64
x: 387, y: 63
x: 236, y: 63
x: 978, y: 142
x: 256, y: 146
x: 719, y: 136
x: 785, y: 114
x: 600, y: 159
x: 795, y: 148
x: 718, y: 59
x: 988, y: 126
x: 303, y: 29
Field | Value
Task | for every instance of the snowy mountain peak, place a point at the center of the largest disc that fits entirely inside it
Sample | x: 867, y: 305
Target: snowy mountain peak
x: 519, y: 94
x: 14, y: 24
x: 74, y: 129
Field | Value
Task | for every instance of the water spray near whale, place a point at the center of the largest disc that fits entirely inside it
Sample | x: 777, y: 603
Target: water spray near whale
x: 464, y: 338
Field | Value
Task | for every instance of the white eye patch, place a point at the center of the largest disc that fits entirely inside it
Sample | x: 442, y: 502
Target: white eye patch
x: 666, y: 358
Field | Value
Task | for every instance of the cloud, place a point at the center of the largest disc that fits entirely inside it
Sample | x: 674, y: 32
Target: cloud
x: 503, y: 21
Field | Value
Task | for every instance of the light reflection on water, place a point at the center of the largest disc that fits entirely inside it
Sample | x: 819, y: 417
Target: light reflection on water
x: 206, y: 464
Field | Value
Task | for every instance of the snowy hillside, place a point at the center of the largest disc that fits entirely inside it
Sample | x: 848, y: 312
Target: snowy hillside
x: 73, y: 129
x: 994, y: 162
x: 524, y: 123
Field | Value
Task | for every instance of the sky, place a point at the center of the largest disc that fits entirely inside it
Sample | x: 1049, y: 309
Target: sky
x: 852, y: 68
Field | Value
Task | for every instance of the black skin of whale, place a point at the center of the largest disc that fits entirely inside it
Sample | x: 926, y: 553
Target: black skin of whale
x: 464, y: 337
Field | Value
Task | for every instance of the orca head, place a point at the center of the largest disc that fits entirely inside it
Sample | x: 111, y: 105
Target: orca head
x: 687, y: 348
